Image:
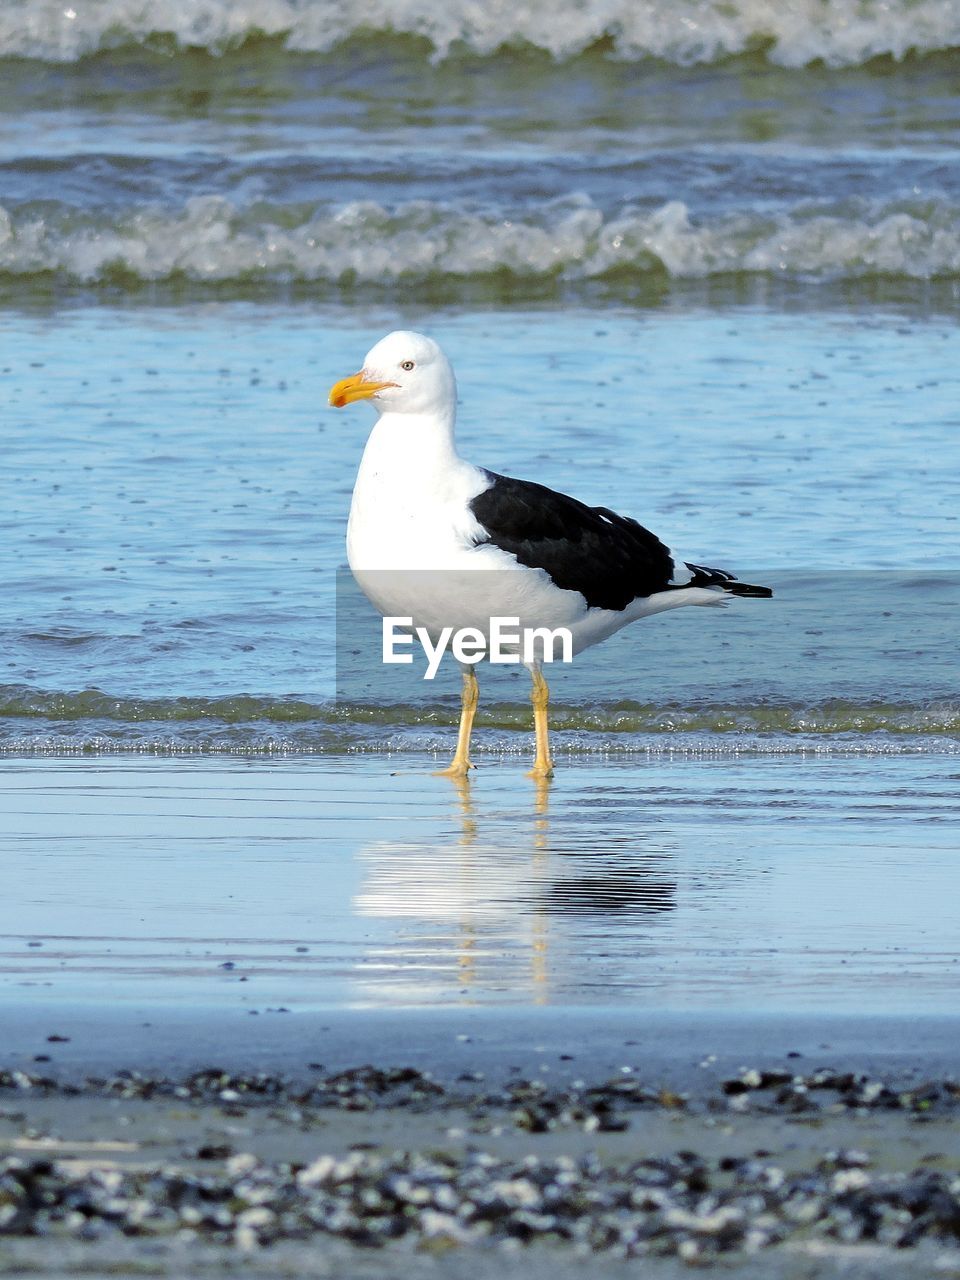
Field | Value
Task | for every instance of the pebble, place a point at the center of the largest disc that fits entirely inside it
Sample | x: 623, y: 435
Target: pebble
x: 683, y: 1204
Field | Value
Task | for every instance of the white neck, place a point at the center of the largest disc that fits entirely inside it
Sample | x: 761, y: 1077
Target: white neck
x: 411, y: 501
x: 411, y: 449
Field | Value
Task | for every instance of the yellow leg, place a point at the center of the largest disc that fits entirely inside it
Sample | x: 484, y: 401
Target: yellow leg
x: 460, y: 765
x: 540, y: 697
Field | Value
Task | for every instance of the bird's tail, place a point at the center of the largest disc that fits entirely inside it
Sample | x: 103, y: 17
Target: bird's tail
x: 720, y: 580
x: 748, y: 589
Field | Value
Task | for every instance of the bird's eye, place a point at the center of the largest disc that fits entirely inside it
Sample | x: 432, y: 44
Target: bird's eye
x: 407, y: 364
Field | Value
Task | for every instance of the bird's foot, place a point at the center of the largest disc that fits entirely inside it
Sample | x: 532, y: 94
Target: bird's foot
x: 455, y: 769
x: 542, y: 770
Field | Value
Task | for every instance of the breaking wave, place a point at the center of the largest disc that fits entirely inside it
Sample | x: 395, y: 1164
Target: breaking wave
x: 840, y: 33
x: 92, y: 720
x: 211, y: 241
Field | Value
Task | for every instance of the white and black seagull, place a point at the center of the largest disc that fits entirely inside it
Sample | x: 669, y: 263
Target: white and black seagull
x: 423, y: 519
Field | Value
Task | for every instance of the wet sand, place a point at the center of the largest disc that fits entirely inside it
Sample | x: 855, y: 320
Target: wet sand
x: 682, y: 1050
x: 683, y: 881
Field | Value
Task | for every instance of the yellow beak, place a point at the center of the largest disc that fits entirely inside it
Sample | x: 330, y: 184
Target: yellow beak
x: 356, y: 387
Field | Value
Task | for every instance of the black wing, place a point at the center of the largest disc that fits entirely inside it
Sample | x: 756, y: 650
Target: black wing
x: 610, y: 559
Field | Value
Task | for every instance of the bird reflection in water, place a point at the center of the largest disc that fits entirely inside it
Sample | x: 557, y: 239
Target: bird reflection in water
x: 521, y: 905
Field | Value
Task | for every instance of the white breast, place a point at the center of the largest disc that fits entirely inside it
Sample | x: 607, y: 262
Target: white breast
x: 408, y: 514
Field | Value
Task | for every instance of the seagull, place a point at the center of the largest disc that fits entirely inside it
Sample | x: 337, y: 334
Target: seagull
x: 424, y: 520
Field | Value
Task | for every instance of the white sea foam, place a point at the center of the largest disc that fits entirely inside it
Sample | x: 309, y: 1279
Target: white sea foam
x: 213, y: 719
x: 840, y: 32
x: 210, y: 240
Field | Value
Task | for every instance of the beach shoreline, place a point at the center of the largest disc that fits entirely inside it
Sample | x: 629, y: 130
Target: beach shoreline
x: 686, y: 1048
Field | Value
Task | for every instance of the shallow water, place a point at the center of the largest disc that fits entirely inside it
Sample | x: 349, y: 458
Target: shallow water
x: 785, y: 884
x: 178, y: 513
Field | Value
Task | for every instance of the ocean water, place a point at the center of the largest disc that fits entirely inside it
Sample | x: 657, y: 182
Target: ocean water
x: 176, y: 497
x: 698, y: 262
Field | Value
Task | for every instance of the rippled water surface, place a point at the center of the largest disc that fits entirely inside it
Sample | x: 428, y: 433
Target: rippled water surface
x: 793, y: 884
x: 175, y: 518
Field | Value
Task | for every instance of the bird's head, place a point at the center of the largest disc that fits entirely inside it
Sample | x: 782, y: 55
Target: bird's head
x: 404, y: 373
